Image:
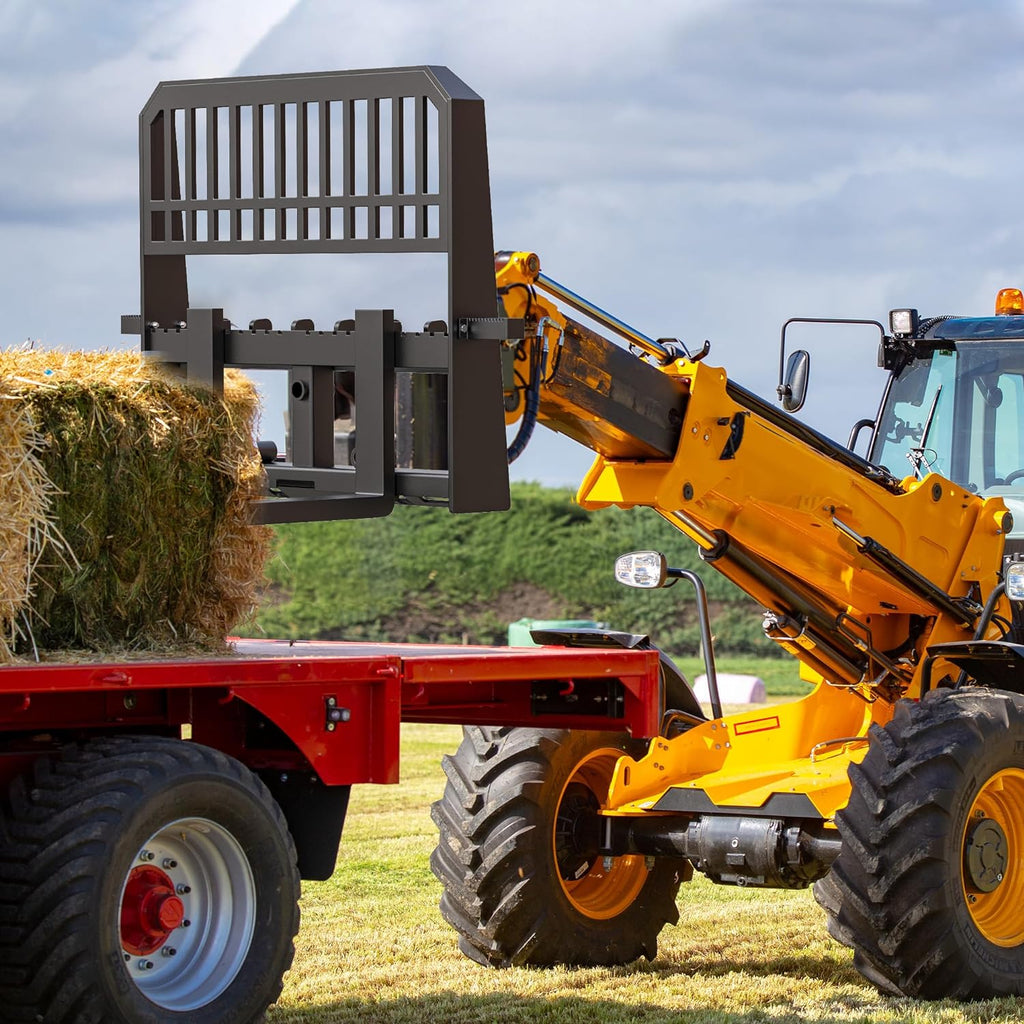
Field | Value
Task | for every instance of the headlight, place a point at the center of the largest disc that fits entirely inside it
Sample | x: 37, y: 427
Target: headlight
x: 902, y: 321
x: 1015, y: 581
x: 646, y: 569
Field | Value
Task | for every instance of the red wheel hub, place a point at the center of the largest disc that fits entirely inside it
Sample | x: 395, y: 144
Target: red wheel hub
x: 150, y: 911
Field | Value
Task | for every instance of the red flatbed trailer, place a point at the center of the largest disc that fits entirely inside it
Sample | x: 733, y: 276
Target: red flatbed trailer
x: 145, y: 875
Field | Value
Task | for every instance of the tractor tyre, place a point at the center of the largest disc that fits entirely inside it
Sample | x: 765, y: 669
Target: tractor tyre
x: 143, y: 880
x: 928, y: 888
x: 523, y: 881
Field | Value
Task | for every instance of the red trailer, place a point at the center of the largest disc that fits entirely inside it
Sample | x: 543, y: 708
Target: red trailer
x: 159, y: 814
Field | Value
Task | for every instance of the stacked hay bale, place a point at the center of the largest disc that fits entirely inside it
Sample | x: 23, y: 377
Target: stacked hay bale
x: 125, y: 505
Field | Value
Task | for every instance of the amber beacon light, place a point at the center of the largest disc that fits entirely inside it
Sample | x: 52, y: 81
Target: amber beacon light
x: 1009, y: 302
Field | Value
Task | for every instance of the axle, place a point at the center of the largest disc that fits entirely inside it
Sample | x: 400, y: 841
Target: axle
x: 766, y: 852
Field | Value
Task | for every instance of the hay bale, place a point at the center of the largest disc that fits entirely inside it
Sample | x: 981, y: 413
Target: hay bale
x: 24, y: 501
x: 140, y: 531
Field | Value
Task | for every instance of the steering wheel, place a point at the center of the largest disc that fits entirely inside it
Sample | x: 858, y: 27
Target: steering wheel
x: 1015, y: 475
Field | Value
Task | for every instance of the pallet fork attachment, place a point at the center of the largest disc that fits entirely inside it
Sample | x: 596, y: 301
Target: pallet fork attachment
x: 341, y: 162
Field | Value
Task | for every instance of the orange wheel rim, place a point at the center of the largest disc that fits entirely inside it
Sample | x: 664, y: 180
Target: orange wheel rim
x: 592, y: 890
x: 993, y: 845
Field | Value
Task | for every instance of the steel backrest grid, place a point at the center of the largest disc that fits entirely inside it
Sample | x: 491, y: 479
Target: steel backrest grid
x: 315, y: 163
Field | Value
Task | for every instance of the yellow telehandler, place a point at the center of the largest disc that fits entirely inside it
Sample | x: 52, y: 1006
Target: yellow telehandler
x: 896, y: 786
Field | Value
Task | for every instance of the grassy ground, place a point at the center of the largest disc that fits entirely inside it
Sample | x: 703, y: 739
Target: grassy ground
x: 373, y: 946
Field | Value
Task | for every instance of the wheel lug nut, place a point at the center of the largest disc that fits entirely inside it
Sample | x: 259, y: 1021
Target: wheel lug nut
x: 169, y: 863
x: 146, y: 855
x: 168, y: 951
x: 182, y: 889
x: 186, y: 923
x: 145, y: 965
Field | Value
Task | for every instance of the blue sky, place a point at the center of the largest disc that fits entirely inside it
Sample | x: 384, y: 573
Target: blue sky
x: 702, y: 169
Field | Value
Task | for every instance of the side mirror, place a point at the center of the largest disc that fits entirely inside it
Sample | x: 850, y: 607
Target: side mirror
x: 646, y: 570
x: 793, y: 389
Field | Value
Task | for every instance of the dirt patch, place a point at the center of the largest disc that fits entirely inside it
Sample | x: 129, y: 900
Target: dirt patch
x: 485, y: 622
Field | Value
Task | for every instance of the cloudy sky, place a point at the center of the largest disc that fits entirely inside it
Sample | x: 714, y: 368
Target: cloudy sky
x: 702, y: 168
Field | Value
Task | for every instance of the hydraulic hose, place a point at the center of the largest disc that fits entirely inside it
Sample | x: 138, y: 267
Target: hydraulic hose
x: 529, y: 420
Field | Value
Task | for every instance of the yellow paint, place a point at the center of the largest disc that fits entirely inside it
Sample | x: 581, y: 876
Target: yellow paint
x: 999, y: 914
x: 742, y: 768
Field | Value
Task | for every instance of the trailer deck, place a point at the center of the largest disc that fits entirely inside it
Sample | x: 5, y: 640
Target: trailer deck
x: 335, y: 707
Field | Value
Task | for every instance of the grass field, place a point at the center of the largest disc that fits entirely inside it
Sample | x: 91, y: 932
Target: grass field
x: 373, y: 946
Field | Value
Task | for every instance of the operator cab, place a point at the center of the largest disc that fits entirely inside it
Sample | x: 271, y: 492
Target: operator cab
x: 954, y: 402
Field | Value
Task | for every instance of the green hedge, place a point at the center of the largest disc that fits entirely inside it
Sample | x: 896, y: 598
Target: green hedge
x: 423, y: 574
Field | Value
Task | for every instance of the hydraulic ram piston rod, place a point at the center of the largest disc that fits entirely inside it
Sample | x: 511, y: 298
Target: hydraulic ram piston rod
x: 613, y: 323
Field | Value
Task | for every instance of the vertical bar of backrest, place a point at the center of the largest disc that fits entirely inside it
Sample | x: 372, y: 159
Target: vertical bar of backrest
x: 212, y: 174
x: 324, y: 130
x: 148, y: 176
x: 235, y: 170
x: 373, y: 167
x: 168, y: 116
x: 349, y: 132
x: 301, y: 169
x: 190, y: 171
x: 280, y: 165
x: 421, y: 167
x: 258, y: 176
x: 397, y: 164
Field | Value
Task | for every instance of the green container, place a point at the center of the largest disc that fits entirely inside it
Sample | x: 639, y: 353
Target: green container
x: 519, y: 631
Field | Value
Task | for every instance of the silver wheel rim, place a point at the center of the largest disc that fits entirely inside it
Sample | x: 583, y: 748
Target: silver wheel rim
x: 213, y: 881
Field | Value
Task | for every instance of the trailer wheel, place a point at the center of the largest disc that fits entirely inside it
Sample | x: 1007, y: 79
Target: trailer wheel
x: 144, y: 880
x: 929, y: 886
x: 523, y: 881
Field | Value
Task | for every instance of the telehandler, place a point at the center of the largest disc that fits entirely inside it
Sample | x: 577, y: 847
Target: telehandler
x: 897, y: 785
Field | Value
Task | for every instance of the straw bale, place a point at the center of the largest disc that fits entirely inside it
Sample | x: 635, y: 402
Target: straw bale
x: 25, y: 491
x: 140, y: 506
